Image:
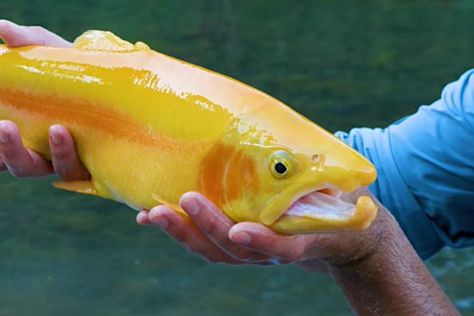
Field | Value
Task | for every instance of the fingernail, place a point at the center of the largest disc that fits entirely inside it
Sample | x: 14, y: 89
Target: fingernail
x: 56, y: 139
x: 160, y: 221
x: 141, y: 217
x: 241, y: 238
x: 191, y: 206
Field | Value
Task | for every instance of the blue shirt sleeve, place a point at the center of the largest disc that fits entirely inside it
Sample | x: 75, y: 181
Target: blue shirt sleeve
x: 425, y: 165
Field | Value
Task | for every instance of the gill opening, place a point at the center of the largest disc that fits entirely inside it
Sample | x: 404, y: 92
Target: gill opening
x: 226, y: 180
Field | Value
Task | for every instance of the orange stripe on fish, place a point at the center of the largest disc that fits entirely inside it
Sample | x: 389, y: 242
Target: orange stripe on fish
x: 85, y: 113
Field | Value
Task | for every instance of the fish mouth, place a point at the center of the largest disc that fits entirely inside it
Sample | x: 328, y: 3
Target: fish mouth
x: 324, y: 210
x: 324, y: 203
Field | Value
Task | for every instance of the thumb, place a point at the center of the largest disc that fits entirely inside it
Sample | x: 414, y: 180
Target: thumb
x: 15, y: 35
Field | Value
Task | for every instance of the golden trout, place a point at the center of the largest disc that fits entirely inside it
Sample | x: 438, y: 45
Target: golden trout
x: 149, y: 128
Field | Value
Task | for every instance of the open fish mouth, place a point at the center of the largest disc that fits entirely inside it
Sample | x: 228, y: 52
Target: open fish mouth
x: 322, y: 204
x: 323, y: 210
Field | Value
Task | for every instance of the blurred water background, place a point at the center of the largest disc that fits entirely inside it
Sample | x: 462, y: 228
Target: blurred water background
x: 341, y: 63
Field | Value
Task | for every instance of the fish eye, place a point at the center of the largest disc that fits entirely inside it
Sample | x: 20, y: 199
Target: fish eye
x: 280, y: 168
x: 280, y: 164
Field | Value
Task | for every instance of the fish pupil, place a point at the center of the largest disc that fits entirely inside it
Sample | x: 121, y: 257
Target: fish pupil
x: 280, y: 168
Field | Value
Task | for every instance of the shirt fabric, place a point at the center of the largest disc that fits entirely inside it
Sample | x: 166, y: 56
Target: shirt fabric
x: 425, y: 165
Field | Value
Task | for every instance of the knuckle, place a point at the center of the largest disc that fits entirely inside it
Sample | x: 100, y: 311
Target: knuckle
x: 61, y: 155
x: 5, y: 25
x: 210, y: 227
x: 178, y: 234
x: 61, y: 170
x: 39, y: 33
x: 37, y: 28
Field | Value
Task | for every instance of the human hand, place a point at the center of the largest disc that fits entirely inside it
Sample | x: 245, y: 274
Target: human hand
x: 23, y: 162
x: 210, y: 234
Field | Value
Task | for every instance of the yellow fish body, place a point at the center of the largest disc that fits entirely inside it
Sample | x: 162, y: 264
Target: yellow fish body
x: 149, y: 128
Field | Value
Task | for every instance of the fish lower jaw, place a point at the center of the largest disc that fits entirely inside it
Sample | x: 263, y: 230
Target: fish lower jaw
x: 324, y: 211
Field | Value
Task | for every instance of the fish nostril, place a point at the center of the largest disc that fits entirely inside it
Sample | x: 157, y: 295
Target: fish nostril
x: 318, y: 159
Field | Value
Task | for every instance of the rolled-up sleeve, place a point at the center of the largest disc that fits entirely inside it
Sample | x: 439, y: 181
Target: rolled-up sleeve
x: 425, y: 164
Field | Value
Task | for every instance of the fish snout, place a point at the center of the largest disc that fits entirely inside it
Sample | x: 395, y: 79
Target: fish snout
x: 348, y: 177
x: 357, y: 178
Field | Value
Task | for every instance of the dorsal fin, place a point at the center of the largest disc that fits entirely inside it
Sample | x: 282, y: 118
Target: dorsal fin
x: 106, y: 41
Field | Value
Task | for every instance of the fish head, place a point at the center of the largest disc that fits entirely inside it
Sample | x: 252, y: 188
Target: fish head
x: 278, y: 168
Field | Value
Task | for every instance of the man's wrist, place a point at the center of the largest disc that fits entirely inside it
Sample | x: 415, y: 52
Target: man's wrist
x: 391, y: 279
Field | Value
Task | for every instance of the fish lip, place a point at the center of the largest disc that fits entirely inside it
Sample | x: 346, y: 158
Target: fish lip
x: 269, y: 220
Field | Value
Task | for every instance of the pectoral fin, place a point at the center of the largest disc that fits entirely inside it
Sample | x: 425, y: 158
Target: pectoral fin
x: 174, y: 206
x: 106, y: 41
x: 82, y: 187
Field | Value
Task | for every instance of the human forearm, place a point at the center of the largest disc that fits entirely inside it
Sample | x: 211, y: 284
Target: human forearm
x: 392, y: 280
x: 377, y: 268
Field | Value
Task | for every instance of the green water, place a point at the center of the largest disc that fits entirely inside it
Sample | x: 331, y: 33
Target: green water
x: 342, y: 63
